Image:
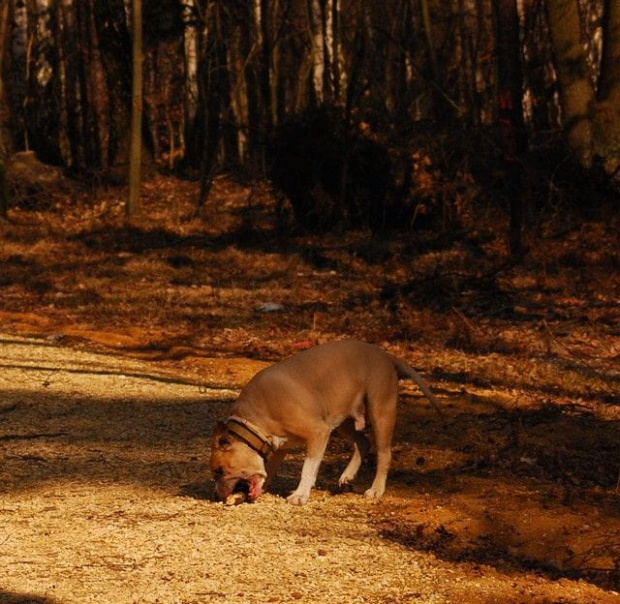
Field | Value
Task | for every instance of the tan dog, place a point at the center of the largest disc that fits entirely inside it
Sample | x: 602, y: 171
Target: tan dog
x: 299, y: 402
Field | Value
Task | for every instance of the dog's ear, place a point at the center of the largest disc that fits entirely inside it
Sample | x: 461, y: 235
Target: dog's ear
x: 221, y: 437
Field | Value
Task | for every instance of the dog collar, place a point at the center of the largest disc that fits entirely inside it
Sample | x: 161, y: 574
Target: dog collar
x: 252, y: 436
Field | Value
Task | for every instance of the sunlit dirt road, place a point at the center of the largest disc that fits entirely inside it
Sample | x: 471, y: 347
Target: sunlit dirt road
x: 104, y: 497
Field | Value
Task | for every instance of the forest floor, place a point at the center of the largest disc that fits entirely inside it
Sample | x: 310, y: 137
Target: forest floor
x: 123, y: 343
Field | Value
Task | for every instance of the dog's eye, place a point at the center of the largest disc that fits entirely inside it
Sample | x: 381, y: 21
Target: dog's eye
x: 218, y: 472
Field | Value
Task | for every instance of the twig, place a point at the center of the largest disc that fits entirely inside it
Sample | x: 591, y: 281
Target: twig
x: 465, y: 320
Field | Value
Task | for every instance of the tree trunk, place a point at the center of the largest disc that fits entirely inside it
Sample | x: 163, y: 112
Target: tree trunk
x: 590, y: 117
x: 190, y: 57
x: 441, y: 110
x: 610, y: 63
x: 115, y: 47
x: 512, y: 134
x: 4, y: 192
x: 94, y: 99
x: 249, y: 33
x: 18, y: 87
x: 467, y: 97
x: 135, y: 157
x: 316, y: 23
x: 212, y: 66
x: 67, y: 40
x: 265, y: 69
x: 336, y: 69
x: 606, y: 136
x: 574, y: 81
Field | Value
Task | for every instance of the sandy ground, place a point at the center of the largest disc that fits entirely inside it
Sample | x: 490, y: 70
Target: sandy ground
x: 105, y: 498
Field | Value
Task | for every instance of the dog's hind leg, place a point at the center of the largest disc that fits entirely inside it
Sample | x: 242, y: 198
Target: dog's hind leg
x: 383, y: 418
x: 361, y: 447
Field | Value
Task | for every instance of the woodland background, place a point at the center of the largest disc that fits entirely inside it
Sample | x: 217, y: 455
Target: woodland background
x: 365, y: 114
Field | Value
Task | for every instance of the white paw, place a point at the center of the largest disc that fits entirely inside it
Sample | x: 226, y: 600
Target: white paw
x: 345, y: 484
x: 298, y: 498
x: 373, y: 493
x: 344, y: 481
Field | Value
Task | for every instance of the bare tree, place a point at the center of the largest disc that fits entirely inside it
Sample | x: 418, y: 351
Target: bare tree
x: 135, y: 156
x: 19, y: 72
x: 213, y: 85
x: 316, y: 24
x: 4, y: 193
x: 115, y: 47
x: 607, y: 116
x: 512, y: 134
x: 590, y: 110
x: 574, y: 76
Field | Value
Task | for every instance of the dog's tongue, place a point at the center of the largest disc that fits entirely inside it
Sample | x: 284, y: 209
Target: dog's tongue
x: 255, y: 489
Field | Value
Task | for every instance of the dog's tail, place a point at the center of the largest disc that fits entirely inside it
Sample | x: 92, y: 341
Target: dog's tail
x: 405, y: 370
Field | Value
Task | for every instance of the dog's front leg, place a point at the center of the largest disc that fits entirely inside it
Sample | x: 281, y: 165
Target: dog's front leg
x: 272, y: 467
x: 314, y: 455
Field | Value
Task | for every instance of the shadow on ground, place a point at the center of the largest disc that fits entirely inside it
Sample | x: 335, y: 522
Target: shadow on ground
x: 15, y: 598
x: 513, y: 489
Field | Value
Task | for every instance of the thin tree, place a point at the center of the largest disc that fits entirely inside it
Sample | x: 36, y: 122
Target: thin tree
x: 212, y: 68
x: 512, y: 134
x: 135, y: 157
x: 115, y: 46
x: 4, y: 193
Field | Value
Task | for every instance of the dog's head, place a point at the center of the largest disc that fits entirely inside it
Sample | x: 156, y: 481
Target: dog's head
x: 235, y: 466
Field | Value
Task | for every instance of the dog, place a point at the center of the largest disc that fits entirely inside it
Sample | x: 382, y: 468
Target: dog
x: 298, y: 402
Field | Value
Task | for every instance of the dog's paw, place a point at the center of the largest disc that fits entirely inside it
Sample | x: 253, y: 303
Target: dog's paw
x: 373, y: 493
x: 345, y: 486
x: 298, y: 498
x: 345, y: 480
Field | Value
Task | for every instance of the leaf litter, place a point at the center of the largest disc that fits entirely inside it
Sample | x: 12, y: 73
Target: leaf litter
x: 124, y: 343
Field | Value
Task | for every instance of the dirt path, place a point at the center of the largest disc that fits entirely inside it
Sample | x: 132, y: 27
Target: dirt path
x: 104, y: 498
